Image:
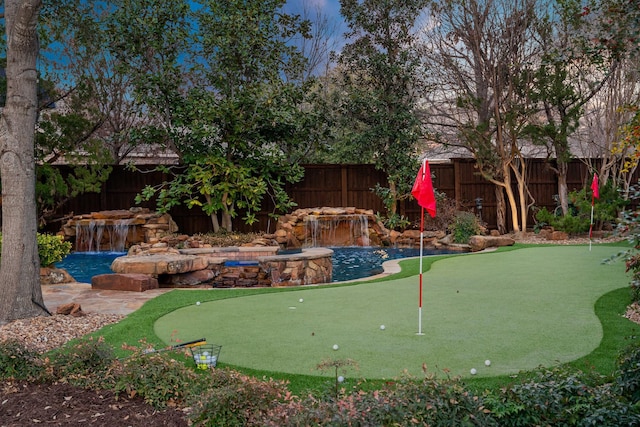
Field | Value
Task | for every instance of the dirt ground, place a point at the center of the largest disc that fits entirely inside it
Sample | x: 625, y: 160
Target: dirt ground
x: 27, y: 404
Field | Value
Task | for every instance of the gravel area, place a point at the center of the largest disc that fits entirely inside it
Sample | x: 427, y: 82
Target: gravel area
x: 46, y: 333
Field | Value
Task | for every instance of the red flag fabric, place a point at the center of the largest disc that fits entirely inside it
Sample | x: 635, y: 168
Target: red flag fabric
x: 594, y: 186
x: 423, y: 189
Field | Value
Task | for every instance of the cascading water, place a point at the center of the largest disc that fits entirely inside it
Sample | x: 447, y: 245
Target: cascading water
x: 89, y: 236
x: 336, y: 230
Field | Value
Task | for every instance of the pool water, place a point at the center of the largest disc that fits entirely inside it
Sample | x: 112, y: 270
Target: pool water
x: 357, y: 262
x: 349, y: 263
x: 84, y: 265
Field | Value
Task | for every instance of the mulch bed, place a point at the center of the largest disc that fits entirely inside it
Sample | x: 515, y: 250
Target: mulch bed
x: 23, y: 404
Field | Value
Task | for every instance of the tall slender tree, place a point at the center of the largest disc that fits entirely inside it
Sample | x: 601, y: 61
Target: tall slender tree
x: 379, y: 76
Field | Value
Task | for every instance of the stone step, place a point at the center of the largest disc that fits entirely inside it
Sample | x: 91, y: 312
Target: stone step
x: 124, y: 282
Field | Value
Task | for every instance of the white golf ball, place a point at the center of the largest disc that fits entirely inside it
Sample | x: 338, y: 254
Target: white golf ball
x: 382, y: 327
x: 301, y: 300
x: 487, y: 362
x: 473, y: 371
x: 335, y: 346
x: 198, y: 303
x: 340, y: 379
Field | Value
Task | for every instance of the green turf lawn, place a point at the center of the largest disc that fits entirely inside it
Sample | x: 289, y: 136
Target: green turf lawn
x: 520, y: 309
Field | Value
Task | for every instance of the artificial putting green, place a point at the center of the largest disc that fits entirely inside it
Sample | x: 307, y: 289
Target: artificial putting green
x: 519, y: 309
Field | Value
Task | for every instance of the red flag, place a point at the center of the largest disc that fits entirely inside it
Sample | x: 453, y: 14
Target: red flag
x: 423, y: 190
x: 594, y: 186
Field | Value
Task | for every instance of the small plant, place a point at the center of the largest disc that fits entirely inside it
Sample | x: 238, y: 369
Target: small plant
x: 157, y: 377
x: 337, y: 366
x: 234, y: 399
x: 51, y: 248
x: 465, y: 224
x: 83, y: 363
x: 628, y: 373
x: 578, y: 219
x: 19, y: 363
x: 562, y: 397
x: 394, y: 221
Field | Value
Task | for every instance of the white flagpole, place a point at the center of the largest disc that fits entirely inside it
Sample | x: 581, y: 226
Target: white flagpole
x: 424, y: 168
x: 420, y: 296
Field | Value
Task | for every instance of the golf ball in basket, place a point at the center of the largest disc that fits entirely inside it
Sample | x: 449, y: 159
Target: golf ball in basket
x: 301, y: 300
x: 382, y: 327
x: 335, y: 346
x: 473, y: 371
x: 198, y: 303
x: 487, y: 362
x: 340, y: 379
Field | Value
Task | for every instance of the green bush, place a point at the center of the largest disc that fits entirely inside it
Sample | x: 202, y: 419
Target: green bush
x: 465, y: 224
x: 628, y: 374
x: 408, y: 401
x: 19, y: 363
x: 51, y: 248
x: 578, y: 219
x: 234, y: 399
x: 157, y: 377
x: 84, y: 363
x: 394, y: 221
x: 561, y: 397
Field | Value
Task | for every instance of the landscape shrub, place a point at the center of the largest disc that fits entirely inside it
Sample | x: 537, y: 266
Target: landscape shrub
x: 51, y: 248
x: 19, y: 363
x: 407, y: 401
x: 84, y: 363
x: 561, y: 397
x: 394, y: 221
x: 446, y: 212
x: 465, y: 224
x: 158, y: 378
x: 627, y: 375
x: 234, y: 399
x: 578, y: 219
x: 572, y: 223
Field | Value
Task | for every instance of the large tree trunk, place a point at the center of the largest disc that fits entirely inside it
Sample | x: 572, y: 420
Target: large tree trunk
x: 20, y: 292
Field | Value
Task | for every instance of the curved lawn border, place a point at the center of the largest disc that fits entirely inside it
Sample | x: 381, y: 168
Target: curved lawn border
x: 520, y: 309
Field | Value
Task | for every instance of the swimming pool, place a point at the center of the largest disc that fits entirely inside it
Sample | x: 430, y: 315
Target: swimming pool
x: 349, y: 263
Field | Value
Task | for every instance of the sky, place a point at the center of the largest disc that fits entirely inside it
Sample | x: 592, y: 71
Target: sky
x: 330, y: 8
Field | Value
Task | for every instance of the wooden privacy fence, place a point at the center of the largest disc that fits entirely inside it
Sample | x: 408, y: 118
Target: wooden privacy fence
x: 340, y: 186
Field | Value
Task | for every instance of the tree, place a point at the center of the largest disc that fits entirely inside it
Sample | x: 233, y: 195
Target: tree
x: 20, y: 292
x: 477, y: 58
x: 562, y: 87
x: 607, y: 132
x: 222, y: 87
x: 379, y: 75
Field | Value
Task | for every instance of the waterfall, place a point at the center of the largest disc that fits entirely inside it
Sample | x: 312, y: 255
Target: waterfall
x: 90, y: 235
x: 118, y: 235
x: 336, y: 230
